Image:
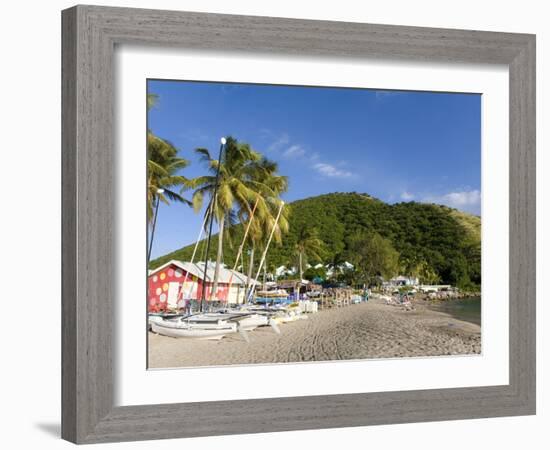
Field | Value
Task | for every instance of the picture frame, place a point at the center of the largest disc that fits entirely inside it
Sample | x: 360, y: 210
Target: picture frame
x: 89, y: 37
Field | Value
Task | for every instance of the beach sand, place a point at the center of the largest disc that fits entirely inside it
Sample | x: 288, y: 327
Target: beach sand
x: 366, y: 330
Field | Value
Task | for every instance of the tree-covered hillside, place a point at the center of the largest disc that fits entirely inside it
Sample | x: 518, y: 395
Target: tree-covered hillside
x: 433, y: 241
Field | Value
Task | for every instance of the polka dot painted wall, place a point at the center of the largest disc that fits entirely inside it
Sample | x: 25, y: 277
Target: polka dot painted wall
x: 159, y: 287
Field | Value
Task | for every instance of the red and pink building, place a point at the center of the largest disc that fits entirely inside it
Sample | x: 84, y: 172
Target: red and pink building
x: 175, y: 281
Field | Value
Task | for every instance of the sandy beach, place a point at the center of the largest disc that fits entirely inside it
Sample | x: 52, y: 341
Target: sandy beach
x: 367, y: 330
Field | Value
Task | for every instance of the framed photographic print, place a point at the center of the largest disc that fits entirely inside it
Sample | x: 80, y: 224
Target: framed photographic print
x: 278, y: 224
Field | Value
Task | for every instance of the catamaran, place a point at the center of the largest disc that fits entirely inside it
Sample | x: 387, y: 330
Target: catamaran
x: 273, y: 296
x: 216, y: 325
x: 182, y: 328
x: 246, y: 321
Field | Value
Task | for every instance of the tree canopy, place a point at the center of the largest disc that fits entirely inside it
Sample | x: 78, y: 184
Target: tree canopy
x: 434, y: 242
x: 372, y: 256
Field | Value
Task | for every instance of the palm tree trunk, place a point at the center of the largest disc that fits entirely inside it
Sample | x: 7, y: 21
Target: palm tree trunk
x: 218, y: 258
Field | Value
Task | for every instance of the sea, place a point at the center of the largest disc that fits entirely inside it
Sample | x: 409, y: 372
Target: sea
x: 467, y: 309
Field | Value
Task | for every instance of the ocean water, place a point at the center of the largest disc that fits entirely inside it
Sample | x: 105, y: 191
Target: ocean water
x: 467, y: 309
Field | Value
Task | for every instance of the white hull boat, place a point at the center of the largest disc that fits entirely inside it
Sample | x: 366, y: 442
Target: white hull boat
x: 159, y: 317
x: 181, y: 328
x: 245, y: 321
x: 245, y: 318
x: 250, y: 322
x: 273, y: 293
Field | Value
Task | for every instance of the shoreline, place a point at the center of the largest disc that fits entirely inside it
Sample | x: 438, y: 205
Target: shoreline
x: 370, y: 330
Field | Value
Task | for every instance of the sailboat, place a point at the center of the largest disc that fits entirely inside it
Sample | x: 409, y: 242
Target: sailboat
x: 159, y: 317
x: 182, y: 328
x: 199, y: 326
x: 245, y: 320
x: 216, y: 325
x: 271, y: 296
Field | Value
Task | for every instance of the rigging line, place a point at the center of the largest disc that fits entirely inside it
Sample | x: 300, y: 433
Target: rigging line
x: 240, y: 252
x: 216, y: 276
x: 265, y: 250
x: 193, y: 260
x: 204, y: 254
x: 214, y: 200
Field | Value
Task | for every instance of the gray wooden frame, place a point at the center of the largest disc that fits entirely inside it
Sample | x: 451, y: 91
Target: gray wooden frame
x: 90, y: 34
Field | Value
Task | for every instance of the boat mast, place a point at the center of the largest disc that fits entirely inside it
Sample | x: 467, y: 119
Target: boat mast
x: 264, y: 254
x: 213, y: 199
x: 239, y: 253
x: 193, y: 259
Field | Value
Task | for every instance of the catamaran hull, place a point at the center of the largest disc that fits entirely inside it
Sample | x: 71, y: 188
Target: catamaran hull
x: 160, y: 317
x: 244, y: 321
x: 252, y: 322
x: 192, y: 331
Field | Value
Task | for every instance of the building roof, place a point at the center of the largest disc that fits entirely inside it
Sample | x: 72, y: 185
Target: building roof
x: 197, y: 269
x: 402, y: 278
x: 291, y: 283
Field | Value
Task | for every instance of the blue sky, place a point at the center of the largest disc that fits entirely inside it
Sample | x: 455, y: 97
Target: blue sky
x: 394, y: 145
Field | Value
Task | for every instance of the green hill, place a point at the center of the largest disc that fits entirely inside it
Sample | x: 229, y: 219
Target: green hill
x: 445, y: 240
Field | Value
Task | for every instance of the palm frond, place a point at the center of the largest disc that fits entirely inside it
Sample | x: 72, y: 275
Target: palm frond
x: 152, y: 100
x: 156, y: 169
x: 197, y: 200
x: 204, y: 154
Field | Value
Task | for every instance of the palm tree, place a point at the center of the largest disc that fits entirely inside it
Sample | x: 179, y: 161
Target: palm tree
x: 164, y: 183
x: 163, y: 165
x: 269, y: 186
x: 236, y: 187
x: 152, y: 100
x: 308, y: 245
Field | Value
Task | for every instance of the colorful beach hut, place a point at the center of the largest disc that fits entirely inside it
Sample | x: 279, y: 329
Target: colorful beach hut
x: 177, y: 280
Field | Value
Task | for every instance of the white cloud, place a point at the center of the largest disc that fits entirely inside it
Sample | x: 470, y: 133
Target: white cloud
x: 469, y: 201
x: 282, y: 146
x: 279, y: 143
x: 314, y: 156
x: 294, y: 151
x: 329, y: 170
x: 407, y: 196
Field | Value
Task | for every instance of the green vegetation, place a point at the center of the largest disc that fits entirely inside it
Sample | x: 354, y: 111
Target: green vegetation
x: 372, y: 256
x: 246, y: 182
x: 433, y: 242
x: 241, y: 185
x: 163, y: 165
x: 308, y: 246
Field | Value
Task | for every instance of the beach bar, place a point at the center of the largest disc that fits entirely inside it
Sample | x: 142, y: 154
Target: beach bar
x: 176, y: 280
